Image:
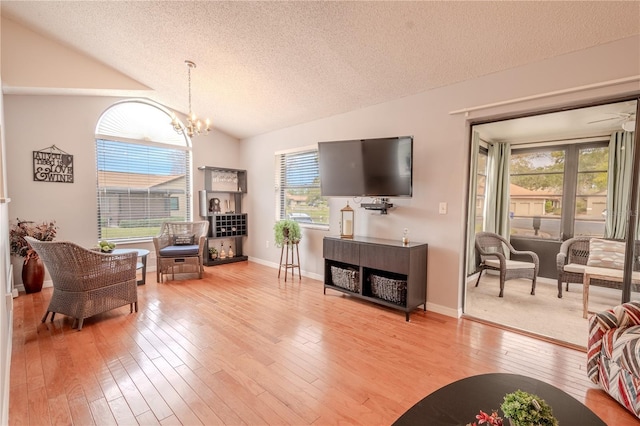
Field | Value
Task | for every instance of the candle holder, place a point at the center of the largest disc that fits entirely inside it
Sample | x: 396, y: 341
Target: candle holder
x: 347, y: 216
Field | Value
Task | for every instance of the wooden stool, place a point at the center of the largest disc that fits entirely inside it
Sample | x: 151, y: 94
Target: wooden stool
x: 294, y: 255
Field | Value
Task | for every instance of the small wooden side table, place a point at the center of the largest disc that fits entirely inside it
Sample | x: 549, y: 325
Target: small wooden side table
x: 295, y: 259
x: 608, y: 274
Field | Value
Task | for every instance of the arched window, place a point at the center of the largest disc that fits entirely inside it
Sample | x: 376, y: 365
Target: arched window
x: 143, y: 171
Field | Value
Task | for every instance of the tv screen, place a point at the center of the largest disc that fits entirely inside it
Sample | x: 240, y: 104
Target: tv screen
x: 366, y: 167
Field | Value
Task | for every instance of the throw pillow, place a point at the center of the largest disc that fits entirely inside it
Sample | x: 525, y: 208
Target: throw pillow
x: 183, y: 240
x: 606, y: 253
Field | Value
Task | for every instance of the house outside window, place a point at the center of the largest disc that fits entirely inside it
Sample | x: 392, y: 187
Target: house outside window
x: 174, y: 203
x: 143, y: 172
x: 298, y: 188
x: 543, y: 181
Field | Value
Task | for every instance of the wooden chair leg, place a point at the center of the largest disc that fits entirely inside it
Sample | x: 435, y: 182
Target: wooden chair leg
x: 44, y: 318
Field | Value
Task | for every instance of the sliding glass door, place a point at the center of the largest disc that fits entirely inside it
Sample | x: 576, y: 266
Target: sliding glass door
x: 571, y: 176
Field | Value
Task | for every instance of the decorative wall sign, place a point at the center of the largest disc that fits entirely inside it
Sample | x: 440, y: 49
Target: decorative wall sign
x: 52, y: 165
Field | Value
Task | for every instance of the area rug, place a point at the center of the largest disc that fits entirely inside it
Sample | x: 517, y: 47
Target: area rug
x: 543, y: 314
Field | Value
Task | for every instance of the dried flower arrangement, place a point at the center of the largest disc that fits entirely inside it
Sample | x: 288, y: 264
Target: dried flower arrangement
x: 45, y: 231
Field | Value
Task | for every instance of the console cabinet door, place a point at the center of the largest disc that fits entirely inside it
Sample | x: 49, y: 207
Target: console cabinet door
x: 385, y: 258
x: 344, y: 251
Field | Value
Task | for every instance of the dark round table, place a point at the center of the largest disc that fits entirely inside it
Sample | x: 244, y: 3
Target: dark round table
x: 459, y: 402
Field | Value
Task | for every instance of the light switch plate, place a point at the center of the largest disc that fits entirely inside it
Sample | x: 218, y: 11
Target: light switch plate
x: 442, y: 208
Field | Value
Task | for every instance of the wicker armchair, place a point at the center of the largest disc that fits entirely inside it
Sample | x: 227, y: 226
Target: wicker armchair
x: 87, y: 282
x: 572, y: 259
x: 491, y: 248
x: 180, y: 246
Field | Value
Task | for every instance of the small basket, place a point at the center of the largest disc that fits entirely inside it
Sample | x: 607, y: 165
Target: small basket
x: 391, y: 290
x: 345, y: 278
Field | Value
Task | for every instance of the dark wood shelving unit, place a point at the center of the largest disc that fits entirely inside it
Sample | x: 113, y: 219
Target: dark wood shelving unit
x: 387, y: 272
x: 226, y: 220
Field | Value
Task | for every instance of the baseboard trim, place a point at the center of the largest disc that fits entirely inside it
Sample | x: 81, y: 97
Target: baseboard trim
x: 277, y: 265
x: 443, y: 310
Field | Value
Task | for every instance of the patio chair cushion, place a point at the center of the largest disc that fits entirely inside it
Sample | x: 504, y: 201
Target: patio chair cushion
x: 511, y: 264
x: 179, y: 251
x: 606, y: 253
x: 575, y: 268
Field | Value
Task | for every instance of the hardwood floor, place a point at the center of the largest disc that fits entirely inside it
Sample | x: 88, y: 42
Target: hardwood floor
x: 242, y: 347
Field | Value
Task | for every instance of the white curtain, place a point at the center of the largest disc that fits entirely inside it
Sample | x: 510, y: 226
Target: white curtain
x: 496, y: 215
x: 471, y: 203
x: 619, y: 184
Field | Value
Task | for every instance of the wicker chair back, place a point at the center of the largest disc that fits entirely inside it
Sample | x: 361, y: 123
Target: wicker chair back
x: 87, y: 282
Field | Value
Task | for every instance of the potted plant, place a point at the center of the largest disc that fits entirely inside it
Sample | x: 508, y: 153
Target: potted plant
x: 213, y: 253
x: 286, y: 229
x: 32, y: 268
x: 524, y: 409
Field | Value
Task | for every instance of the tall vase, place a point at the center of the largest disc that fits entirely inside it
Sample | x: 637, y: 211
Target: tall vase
x: 33, y: 275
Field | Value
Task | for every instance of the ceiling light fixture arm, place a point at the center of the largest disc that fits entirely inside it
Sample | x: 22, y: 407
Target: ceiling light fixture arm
x: 194, y: 126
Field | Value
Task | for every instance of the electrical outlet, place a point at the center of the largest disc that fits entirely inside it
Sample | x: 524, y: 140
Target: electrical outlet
x: 267, y: 244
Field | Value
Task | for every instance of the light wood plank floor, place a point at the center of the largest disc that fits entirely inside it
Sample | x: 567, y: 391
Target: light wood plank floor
x: 242, y: 347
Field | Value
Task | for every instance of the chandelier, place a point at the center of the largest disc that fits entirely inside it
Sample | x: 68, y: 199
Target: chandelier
x: 194, y: 126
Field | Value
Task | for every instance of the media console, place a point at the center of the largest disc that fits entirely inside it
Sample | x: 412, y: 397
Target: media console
x: 385, y: 272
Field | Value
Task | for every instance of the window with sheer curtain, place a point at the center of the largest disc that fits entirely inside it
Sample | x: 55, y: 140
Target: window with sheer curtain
x: 143, y: 172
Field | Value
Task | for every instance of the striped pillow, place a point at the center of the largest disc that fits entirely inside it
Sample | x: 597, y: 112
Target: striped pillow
x: 606, y: 253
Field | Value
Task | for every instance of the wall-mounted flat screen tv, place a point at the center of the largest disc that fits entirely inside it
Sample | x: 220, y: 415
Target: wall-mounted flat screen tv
x: 367, y: 167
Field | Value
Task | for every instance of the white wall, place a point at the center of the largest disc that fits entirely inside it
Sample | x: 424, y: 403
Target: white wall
x: 26, y: 54
x: 37, y: 122
x: 6, y: 286
x: 441, y: 145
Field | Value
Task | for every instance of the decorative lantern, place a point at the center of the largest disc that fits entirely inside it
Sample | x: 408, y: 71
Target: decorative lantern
x: 347, y: 215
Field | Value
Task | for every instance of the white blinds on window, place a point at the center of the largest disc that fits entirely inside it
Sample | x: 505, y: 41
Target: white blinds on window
x: 139, y: 186
x: 298, y: 173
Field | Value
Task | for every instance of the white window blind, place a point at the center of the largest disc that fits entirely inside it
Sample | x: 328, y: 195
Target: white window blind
x: 139, y: 186
x: 143, y: 171
x: 298, y: 183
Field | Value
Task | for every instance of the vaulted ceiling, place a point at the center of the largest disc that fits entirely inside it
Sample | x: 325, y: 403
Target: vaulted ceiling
x: 263, y: 66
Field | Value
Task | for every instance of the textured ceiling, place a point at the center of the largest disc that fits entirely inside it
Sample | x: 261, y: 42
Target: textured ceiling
x: 268, y: 65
